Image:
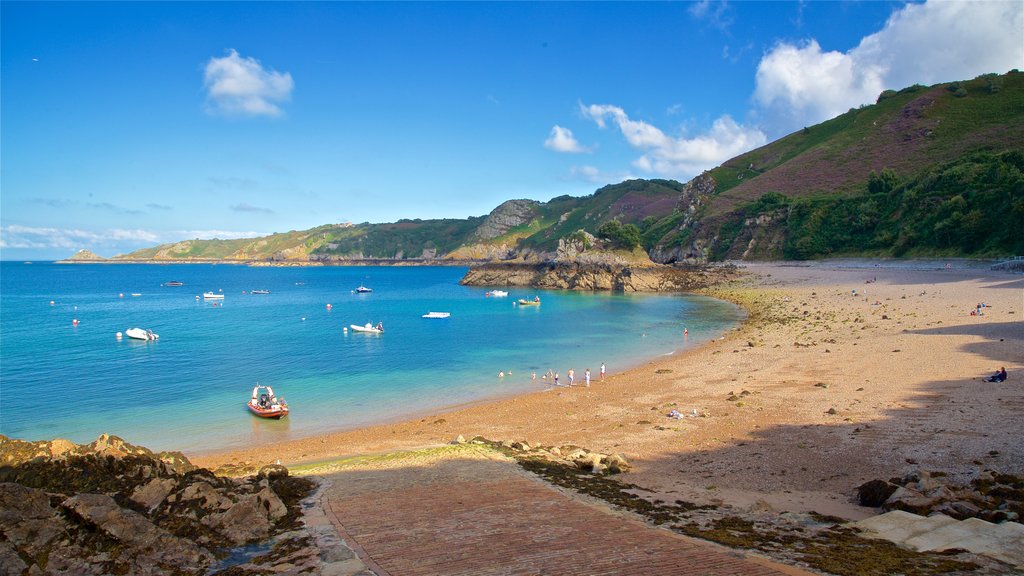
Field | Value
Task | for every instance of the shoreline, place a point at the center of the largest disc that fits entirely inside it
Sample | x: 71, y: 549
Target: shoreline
x: 814, y: 376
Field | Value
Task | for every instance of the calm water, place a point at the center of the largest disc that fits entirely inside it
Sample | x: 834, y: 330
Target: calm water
x: 187, y: 390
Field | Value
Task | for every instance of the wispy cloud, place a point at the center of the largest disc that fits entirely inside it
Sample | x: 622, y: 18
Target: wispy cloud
x: 562, y: 140
x: 116, y: 240
x: 717, y: 13
x: 246, y: 207
x: 233, y: 182
x: 53, y: 202
x: 801, y: 84
x: 241, y: 86
x: 15, y: 236
x: 678, y: 156
x: 154, y: 206
x: 113, y: 208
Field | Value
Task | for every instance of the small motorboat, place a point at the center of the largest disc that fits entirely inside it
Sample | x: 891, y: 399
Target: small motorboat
x: 136, y: 294
x: 266, y: 404
x: 174, y: 283
x: 140, y: 334
x: 212, y: 296
x: 497, y: 293
x: 368, y: 328
x: 259, y: 292
x: 437, y: 314
x: 534, y: 302
x: 363, y: 289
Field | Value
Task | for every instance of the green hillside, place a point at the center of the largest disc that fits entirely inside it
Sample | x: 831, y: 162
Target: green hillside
x: 924, y: 171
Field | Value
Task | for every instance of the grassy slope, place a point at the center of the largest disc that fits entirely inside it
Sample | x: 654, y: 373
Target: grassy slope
x: 907, y: 132
x: 629, y: 202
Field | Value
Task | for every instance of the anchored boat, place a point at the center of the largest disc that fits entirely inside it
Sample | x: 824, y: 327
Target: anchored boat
x: 266, y: 404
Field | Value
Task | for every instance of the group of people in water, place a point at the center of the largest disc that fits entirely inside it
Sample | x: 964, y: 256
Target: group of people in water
x: 552, y: 376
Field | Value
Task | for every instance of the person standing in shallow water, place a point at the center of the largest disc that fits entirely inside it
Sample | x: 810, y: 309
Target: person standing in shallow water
x: 572, y: 376
x: 586, y: 377
x: 602, y: 371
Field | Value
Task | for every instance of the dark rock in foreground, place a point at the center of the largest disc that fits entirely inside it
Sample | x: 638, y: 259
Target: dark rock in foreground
x: 114, y: 508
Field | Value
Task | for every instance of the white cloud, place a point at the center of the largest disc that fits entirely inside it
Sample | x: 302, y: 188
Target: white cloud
x: 800, y: 84
x: 678, y: 156
x: 241, y: 86
x: 562, y: 140
x: 16, y: 236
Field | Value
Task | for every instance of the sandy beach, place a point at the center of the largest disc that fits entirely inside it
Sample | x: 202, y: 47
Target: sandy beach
x: 843, y: 372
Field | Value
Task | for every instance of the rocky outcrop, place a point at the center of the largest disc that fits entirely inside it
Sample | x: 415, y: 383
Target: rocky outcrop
x: 507, y: 216
x: 614, y: 277
x: 84, y: 256
x: 110, y: 507
x: 991, y: 496
x: 695, y: 194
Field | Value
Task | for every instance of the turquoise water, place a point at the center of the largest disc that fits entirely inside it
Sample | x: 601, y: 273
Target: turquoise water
x: 187, y: 390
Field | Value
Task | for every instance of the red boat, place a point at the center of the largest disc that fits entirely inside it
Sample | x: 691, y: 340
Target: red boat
x: 266, y: 404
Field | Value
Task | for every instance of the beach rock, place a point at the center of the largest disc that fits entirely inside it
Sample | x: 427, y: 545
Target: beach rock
x: 26, y: 518
x: 616, y: 464
x: 149, y: 545
x: 521, y: 446
x: 875, y: 493
x: 10, y: 563
x: 910, y: 500
x: 275, y: 508
x: 245, y: 521
x: 588, y: 461
x: 458, y: 440
x: 205, y: 495
x: 272, y: 471
x: 152, y: 494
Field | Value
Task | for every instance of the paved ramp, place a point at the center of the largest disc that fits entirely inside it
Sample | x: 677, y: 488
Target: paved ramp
x: 484, y: 516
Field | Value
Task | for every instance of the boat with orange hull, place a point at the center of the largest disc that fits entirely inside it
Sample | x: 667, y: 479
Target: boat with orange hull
x: 266, y: 404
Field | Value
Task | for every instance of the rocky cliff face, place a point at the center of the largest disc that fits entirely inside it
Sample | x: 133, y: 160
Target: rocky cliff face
x: 113, y: 508
x: 695, y: 194
x: 614, y: 277
x: 505, y: 217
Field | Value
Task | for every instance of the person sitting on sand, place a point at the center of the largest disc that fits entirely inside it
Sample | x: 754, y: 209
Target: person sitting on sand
x: 999, y: 376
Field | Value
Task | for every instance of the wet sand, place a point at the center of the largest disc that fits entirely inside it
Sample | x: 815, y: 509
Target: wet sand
x: 822, y: 389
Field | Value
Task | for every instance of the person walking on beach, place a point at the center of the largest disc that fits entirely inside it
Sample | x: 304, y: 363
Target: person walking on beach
x: 586, y: 377
x: 572, y: 377
x: 602, y: 371
x: 556, y: 378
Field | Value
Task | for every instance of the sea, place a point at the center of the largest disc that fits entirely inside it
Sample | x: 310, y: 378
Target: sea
x: 64, y: 373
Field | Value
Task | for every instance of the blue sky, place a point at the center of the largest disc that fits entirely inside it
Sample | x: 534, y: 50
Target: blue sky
x: 127, y: 124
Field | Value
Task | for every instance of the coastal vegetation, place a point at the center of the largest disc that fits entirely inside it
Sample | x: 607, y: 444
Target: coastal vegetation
x: 925, y: 171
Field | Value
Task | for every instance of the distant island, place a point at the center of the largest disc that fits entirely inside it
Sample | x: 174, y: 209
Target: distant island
x: 927, y: 171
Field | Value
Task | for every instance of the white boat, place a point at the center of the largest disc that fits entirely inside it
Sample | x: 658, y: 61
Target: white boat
x: 368, y: 328
x: 259, y: 292
x: 497, y: 293
x: 140, y: 334
x: 363, y: 289
x: 212, y: 296
x: 437, y: 314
